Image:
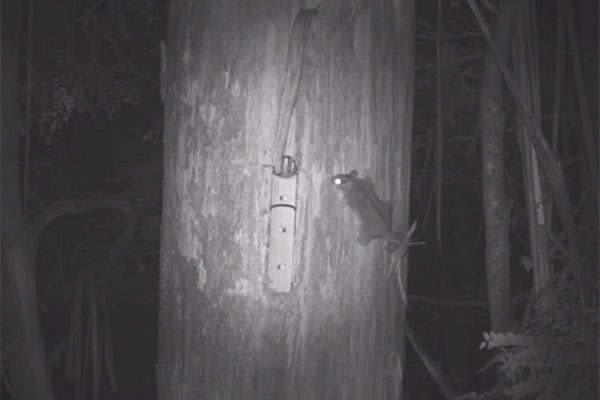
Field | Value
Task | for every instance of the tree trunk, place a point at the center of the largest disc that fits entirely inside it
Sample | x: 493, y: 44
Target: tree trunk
x: 22, y: 345
x: 224, y: 333
x: 495, y: 204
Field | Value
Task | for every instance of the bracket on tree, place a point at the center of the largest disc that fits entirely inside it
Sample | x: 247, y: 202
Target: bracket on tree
x: 282, y: 230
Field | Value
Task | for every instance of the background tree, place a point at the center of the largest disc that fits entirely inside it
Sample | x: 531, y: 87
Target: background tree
x: 223, y: 332
x: 454, y: 298
x: 79, y: 69
x: 21, y: 338
x: 533, y: 361
x: 497, y: 208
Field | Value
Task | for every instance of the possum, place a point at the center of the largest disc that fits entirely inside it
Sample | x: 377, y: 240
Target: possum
x: 374, y: 214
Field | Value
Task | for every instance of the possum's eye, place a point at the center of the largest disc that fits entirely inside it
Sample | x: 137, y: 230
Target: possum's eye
x: 341, y: 182
x: 344, y: 181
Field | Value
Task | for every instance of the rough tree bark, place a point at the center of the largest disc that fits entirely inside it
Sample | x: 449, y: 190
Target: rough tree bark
x: 339, y: 332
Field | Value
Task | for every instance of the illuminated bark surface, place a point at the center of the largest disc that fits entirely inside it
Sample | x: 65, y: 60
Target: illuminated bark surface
x: 339, y: 332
